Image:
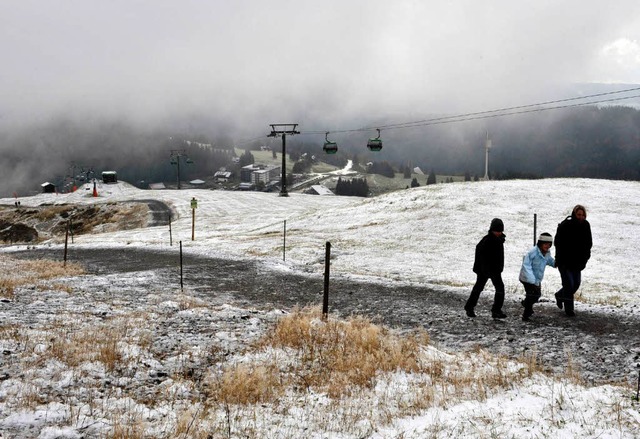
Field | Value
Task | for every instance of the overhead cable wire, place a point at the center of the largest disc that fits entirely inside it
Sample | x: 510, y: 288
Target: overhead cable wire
x: 523, y: 111
x: 520, y: 109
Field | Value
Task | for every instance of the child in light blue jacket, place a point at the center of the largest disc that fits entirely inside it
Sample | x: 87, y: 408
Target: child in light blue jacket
x: 533, y: 264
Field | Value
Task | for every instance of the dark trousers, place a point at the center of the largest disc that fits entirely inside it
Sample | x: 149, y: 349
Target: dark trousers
x: 532, y: 295
x: 570, y: 283
x: 481, y: 281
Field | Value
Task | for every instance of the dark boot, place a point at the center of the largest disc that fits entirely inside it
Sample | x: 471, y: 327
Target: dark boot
x: 558, y: 301
x: 527, y: 304
x: 472, y: 302
x: 498, y: 314
x: 568, y: 308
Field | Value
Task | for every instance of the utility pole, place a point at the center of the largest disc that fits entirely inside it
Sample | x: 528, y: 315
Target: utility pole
x: 487, y: 147
x: 282, y: 129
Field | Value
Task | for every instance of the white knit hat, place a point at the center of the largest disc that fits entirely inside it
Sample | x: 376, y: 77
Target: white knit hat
x: 545, y: 237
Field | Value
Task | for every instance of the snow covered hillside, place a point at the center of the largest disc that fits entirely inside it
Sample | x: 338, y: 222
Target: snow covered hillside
x: 423, y: 236
x: 128, y: 354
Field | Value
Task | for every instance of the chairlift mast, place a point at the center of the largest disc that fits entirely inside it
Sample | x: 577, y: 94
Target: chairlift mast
x: 176, y: 154
x: 282, y: 129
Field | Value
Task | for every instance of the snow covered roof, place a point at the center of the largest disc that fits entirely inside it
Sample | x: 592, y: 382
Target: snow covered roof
x: 321, y: 190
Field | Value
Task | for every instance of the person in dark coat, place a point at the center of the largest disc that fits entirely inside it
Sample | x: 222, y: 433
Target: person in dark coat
x: 488, y: 264
x: 573, y: 249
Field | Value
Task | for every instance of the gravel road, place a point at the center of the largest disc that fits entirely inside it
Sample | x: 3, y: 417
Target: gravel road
x: 602, y: 343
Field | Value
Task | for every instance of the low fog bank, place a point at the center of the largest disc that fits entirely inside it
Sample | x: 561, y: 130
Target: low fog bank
x: 54, y: 150
x: 582, y: 141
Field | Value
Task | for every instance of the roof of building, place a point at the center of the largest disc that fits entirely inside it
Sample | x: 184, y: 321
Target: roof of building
x: 321, y: 190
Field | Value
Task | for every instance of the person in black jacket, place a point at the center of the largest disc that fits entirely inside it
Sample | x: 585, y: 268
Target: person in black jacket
x: 573, y: 249
x: 488, y: 264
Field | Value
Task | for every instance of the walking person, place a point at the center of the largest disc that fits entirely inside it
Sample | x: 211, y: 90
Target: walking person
x: 532, y: 271
x: 573, y: 249
x: 488, y: 264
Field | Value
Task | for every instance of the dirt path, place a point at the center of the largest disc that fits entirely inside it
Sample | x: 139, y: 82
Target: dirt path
x: 602, y: 344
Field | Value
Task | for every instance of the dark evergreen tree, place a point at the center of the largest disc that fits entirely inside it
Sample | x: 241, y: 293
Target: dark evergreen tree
x: 383, y: 168
x: 355, y: 187
x: 247, y: 159
x: 414, y: 182
x: 300, y: 167
x: 431, y: 179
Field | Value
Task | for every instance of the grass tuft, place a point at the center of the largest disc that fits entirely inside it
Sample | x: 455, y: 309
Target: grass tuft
x: 15, y: 273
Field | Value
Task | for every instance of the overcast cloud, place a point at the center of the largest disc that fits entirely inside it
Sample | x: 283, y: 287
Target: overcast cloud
x: 316, y: 62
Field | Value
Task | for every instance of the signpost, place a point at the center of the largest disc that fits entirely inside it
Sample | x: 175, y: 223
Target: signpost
x: 194, y: 205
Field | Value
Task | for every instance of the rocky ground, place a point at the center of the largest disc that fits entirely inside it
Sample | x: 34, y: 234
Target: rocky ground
x: 35, y: 224
x: 602, y: 343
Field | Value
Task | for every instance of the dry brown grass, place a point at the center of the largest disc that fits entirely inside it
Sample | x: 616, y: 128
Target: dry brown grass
x: 572, y: 370
x: 126, y: 429
x: 348, y: 358
x: 15, y: 273
x: 355, y: 363
x: 96, y: 343
x: 50, y: 212
x: 531, y: 361
x: 333, y: 356
x: 338, y: 354
x: 249, y: 384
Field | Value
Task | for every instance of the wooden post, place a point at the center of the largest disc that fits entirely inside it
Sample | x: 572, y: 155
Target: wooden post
x: 327, y: 263
x: 284, y: 242
x: 66, y: 240
x: 170, y: 236
x: 181, y: 283
x: 535, y: 227
x: 638, y: 391
x: 194, y: 204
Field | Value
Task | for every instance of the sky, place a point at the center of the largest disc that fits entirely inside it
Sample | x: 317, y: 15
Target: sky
x: 420, y: 236
x: 250, y: 63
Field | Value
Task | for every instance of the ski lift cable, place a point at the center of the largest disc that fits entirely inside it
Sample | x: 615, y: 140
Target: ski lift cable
x: 492, y: 113
x: 479, y: 117
x: 519, y: 107
x: 507, y: 111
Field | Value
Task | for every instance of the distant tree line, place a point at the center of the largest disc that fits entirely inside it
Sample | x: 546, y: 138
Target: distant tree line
x: 357, y: 187
x: 585, y: 142
x: 383, y: 168
x: 590, y: 142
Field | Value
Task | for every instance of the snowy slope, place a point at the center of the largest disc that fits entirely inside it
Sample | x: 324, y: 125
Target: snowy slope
x: 424, y: 235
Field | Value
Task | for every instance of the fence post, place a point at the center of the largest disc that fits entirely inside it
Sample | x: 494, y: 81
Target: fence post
x: 194, y: 205
x: 638, y: 391
x: 170, y: 236
x: 181, y: 284
x: 327, y: 263
x: 535, y: 227
x: 66, y: 241
x: 284, y: 242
